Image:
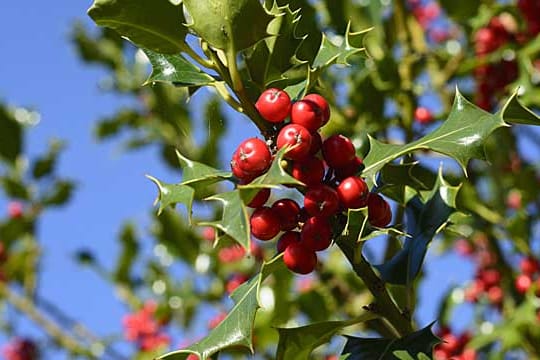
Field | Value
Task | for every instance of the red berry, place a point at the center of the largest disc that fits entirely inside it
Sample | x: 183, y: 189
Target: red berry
x: 450, y: 344
x: 316, y: 143
x: 529, y: 265
x: 338, y: 151
x: 423, y: 115
x: 307, y: 114
x: 299, y: 259
x: 296, y: 136
x: 316, y: 233
x: 288, y: 238
x: 310, y: 171
x: 490, y: 277
x: 523, y: 283
x: 239, y: 173
x: 321, y: 200
x: 274, y: 105
x: 379, y: 212
x: 264, y: 223
x: 15, y: 209
x: 351, y: 169
x: 323, y: 105
x: 254, y: 156
x: 287, y: 210
x: 260, y: 198
x: 495, y: 295
x: 353, y: 192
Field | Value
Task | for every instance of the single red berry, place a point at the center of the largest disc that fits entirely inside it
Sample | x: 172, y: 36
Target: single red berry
x: 239, y: 173
x: 287, y: 210
x: 323, y: 105
x: 495, y: 295
x: 260, y: 198
x: 491, y: 277
x: 529, y: 265
x: 316, y: 143
x: 523, y: 283
x: 288, y: 238
x: 316, y: 233
x: 450, y: 343
x: 321, y: 200
x: 254, y: 156
x: 15, y: 209
x: 351, y: 169
x: 353, y: 192
x: 338, y: 151
x: 468, y: 354
x: 379, y: 212
x: 264, y: 223
x: 296, y: 136
x: 310, y: 171
x: 274, y: 105
x: 299, y: 259
x: 308, y: 114
x: 423, y: 115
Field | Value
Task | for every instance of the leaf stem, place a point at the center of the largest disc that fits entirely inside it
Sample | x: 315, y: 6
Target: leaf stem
x: 204, y: 62
x: 384, y: 304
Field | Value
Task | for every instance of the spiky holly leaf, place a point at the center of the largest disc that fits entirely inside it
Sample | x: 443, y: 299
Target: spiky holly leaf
x: 196, y: 176
x: 269, y: 59
x: 421, y: 341
x: 235, y: 219
x: 156, y: 25
x: 176, y: 69
x: 462, y: 136
x: 424, y: 220
x: 330, y: 53
x: 229, y: 25
x: 298, y: 343
x: 237, y: 328
x: 358, y: 228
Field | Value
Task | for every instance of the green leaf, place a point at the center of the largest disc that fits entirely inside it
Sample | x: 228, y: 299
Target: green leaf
x: 237, y: 328
x: 330, y: 53
x: 172, y: 194
x: 128, y: 254
x: 60, y: 193
x: 156, y: 25
x: 176, y: 69
x: 461, y: 136
x: 298, y: 343
x: 44, y: 165
x: 11, y: 136
x: 198, y: 174
x: 228, y: 24
x: 421, y: 341
x: 15, y: 188
x: 461, y: 10
x: 235, y: 220
x: 424, y: 221
x: 515, y: 112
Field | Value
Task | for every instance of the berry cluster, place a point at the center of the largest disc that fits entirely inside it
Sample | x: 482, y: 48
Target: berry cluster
x: 530, y: 269
x: 142, y: 328
x: 328, y: 169
x: 453, y: 346
x: 492, y: 78
x: 21, y: 349
x: 530, y: 9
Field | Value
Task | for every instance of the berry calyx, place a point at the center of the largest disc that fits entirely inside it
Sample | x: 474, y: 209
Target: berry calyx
x: 307, y: 114
x: 299, y: 259
x: 264, y: 223
x: 316, y: 233
x: 274, y: 105
x: 287, y: 211
x: 338, y: 151
x: 379, y: 212
x: 353, y: 192
x: 321, y: 200
x: 296, y: 136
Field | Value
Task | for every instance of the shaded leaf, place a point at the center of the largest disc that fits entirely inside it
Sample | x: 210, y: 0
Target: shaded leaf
x: 461, y: 10
x: 424, y: 220
x: 15, y: 188
x: 228, y: 24
x: 298, y: 343
x: 421, y: 341
x: 237, y: 328
x: 128, y: 253
x: 176, y: 69
x: 155, y: 25
x: 515, y: 112
x: 11, y: 136
x: 60, y: 193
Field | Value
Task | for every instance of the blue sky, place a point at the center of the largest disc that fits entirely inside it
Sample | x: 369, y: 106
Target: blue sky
x: 40, y: 69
